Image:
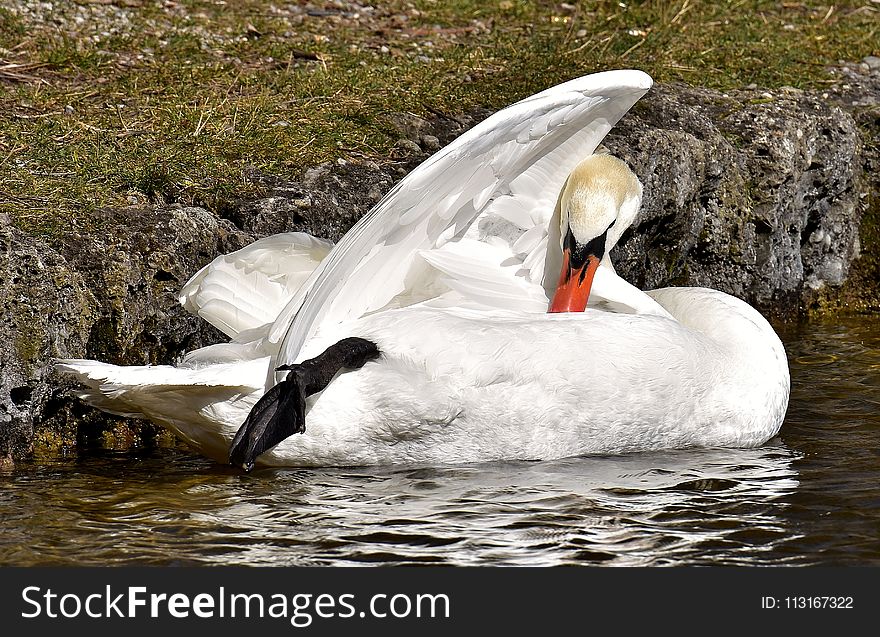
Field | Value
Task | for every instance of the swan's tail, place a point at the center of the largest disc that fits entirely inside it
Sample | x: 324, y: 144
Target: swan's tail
x: 203, y: 406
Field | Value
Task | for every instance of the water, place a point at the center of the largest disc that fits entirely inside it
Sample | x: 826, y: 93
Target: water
x: 810, y: 496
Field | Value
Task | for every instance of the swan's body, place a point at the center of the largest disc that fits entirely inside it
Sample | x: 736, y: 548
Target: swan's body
x: 450, y: 276
x: 455, y: 384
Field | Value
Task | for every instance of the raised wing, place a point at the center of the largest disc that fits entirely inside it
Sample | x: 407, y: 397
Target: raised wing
x: 512, y: 166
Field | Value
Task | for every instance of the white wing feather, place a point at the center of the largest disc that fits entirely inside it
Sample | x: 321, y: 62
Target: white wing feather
x: 162, y: 391
x: 248, y: 288
x: 204, y: 407
x: 524, y: 153
x: 471, y: 268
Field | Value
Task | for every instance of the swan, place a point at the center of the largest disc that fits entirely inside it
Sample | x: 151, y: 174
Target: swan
x: 472, y: 315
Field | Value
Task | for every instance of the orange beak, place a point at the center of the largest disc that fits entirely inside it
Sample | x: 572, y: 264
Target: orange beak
x: 574, y: 286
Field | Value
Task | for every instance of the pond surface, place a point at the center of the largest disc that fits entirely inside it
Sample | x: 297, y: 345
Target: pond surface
x: 810, y: 496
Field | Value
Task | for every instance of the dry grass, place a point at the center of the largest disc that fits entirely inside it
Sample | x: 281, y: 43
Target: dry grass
x: 110, y: 103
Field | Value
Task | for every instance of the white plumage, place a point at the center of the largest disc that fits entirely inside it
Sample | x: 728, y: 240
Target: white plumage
x: 450, y: 275
x: 247, y: 289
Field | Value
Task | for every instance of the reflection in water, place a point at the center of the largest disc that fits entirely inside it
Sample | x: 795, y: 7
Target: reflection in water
x: 811, y: 496
x: 644, y: 509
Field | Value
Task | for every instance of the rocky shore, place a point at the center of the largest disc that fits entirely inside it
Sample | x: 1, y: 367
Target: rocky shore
x: 770, y: 196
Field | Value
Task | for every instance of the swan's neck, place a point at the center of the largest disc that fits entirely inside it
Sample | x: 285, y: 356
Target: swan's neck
x: 612, y: 292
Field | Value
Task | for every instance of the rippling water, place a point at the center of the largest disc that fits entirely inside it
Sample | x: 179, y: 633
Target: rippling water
x: 810, y: 496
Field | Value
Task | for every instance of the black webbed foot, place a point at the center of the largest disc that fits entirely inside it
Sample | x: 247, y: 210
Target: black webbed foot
x: 280, y: 413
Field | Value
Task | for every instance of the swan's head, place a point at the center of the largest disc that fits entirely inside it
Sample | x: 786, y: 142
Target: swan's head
x: 599, y: 201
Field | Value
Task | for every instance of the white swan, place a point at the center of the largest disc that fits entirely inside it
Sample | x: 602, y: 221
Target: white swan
x: 424, y: 335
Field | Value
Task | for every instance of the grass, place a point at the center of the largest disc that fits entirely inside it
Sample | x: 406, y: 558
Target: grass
x: 146, y: 103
